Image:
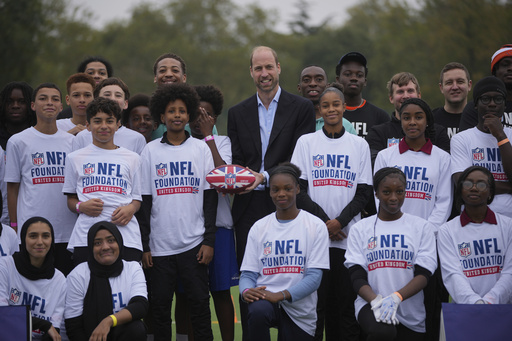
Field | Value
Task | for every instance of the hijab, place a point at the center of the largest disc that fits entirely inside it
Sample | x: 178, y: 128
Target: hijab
x: 22, y: 258
x: 98, y: 299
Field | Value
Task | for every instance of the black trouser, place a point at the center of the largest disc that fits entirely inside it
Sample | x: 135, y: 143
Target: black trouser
x: 379, y: 331
x: 194, y: 277
x: 340, y: 319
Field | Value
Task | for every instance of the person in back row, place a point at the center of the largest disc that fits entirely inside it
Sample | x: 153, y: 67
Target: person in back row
x: 80, y: 87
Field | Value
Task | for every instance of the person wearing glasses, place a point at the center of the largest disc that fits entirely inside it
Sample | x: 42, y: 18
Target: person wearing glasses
x: 488, y: 143
x: 475, y: 248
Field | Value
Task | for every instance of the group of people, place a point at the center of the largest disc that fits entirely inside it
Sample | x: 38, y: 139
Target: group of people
x: 340, y: 233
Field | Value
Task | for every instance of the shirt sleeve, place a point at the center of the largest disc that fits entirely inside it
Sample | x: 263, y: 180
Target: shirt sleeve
x: 12, y: 163
x: 136, y: 180
x: 444, y: 192
x: 459, y: 154
x: 70, y: 177
x: 76, y: 290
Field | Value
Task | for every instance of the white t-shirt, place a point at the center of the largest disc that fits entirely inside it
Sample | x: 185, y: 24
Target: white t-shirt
x: 175, y: 177
x: 388, y: 251
x: 110, y: 175
x: 36, y: 161
x: 130, y: 283
x: 3, y: 189
x: 333, y: 169
x: 8, y: 241
x: 46, y: 297
x: 473, y: 147
x: 282, y: 252
x: 65, y: 124
x: 429, y: 185
x: 123, y: 137
x: 476, y: 260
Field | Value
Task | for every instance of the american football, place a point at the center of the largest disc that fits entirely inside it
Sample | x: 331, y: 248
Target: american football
x: 230, y: 178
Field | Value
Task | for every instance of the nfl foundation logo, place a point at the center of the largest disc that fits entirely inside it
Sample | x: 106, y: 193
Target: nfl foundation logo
x: 372, y: 243
x: 267, y: 248
x: 478, y: 154
x: 230, y: 179
x: 38, y: 159
x: 161, y: 169
x: 318, y: 160
x: 14, y: 297
x: 464, y: 249
x: 88, y: 169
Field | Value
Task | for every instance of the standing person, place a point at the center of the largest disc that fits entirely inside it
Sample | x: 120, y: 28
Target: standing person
x: 29, y: 278
x: 106, y: 296
x: 488, y: 143
x: 336, y: 173
x: 16, y: 113
x: 179, y: 210
x: 455, y: 84
x: 501, y: 68
x: 116, y: 90
x: 352, y: 73
x: 401, y: 87
x: 103, y: 183
x: 80, y: 87
x: 263, y: 130
x: 8, y: 239
x: 34, y: 172
x: 312, y: 83
x: 391, y: 257
x: 282, y: 293
x: 137, y: 116
x: 223, y: 269
x: 475, y: 248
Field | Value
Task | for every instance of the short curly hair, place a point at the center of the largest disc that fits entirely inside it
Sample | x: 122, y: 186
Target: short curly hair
x: 170, y: 93
x: 212, y: 95
x: 105, y: 105
x: 138, y: 100
x: 171, y: 56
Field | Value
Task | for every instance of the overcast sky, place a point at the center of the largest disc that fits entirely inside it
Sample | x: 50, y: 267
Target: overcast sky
x: 107, y: 10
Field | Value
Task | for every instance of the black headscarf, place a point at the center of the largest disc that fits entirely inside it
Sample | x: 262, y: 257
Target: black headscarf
x: 22, y: 258
x: 98, y: 299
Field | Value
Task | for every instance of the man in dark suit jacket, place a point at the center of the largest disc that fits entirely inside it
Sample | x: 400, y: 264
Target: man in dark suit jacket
x: 263, y: 130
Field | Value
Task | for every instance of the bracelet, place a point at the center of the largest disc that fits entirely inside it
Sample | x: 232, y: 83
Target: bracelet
x: 14, y: 224
x: 208, y: 138
x: 284, y: 296
x: 399, y: 296
x: 114, y: 319
x: 502, y: 142
x: 78, y: 207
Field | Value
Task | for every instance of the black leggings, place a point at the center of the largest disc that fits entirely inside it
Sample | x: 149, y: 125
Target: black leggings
x: 383, y: 332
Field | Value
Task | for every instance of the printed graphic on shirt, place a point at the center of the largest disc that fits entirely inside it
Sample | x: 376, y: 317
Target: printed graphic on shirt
x: 480, y: 257
x: 332, y: 170
x: 103, y: 177
x: 37, y: 304
x: 48, y: 167
x: 417, y: 186
x: 393, y: 252
x: 285, y: 257
x: 392, y: 141
x: 176, y: 178
x: 490, y: 158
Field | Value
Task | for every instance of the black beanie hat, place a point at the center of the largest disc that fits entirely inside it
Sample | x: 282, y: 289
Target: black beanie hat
x: 487, y: 84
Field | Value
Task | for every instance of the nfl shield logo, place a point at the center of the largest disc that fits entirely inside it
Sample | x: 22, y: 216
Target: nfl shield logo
x: 88, y: 169
x: 161, y: 169
x: 267, y: 248
x: 230, y: 179
x: 318, y: 160
x: 38, y: 159
x: 14, y: 296
x: 478, y: 154
x: 372, y: 243
x: 392, y: 141
x: 464, y: 249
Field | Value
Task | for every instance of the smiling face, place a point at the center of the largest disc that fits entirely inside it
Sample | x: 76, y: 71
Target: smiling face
x: 38, y: 242
x: 169, y: 71
x: 414, y: 122
x: 265, y: 71
x: 103, y: 127
x: 402, y: 93
x: 332, y: 108
x: 313, y: 82
x: 455, y: 86
x: 471, y: 194
x: 175, y: 116
x: 105, y: 247
x: 140, y: 120
x: 391, y: 195
x: 47, y: 104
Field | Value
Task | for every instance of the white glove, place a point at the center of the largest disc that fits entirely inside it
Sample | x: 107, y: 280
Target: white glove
x: 388, y: 309
x: 375, y: 304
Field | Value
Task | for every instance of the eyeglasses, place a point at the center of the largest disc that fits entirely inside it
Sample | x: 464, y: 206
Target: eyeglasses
x: 487, y: 99
x: 481, y: 185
